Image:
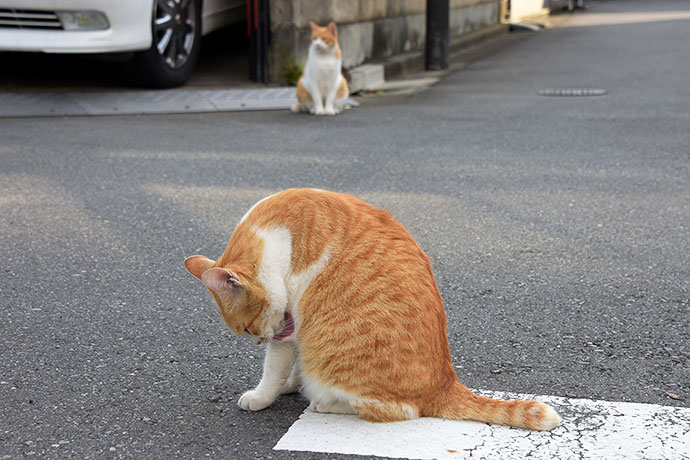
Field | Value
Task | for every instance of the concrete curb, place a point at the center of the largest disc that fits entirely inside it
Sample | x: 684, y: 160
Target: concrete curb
x: 371, y: 76
x: 51, y: 104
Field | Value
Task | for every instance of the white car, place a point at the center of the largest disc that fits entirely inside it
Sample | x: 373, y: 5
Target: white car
x: 165, y: 35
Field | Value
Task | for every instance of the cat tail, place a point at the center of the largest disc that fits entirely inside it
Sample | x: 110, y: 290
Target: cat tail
x: 461, y: 404
x: 346, y: 75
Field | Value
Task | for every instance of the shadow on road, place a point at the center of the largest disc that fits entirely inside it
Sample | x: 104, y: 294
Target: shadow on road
x: 223, y: 63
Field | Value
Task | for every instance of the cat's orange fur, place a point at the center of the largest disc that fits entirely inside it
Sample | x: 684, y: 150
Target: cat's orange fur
x: 371, y: 323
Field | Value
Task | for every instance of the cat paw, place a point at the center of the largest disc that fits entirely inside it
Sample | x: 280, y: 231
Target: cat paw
x: 253, y: 400
x: 329, y: 111
x: 320, y: 111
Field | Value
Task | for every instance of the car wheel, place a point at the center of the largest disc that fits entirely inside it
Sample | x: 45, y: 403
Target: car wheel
x: 176, y: 32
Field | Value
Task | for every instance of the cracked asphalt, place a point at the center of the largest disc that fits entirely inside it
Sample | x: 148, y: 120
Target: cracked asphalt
x: 558, y: 228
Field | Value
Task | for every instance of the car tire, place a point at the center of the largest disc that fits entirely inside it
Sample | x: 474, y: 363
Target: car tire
x: 175, y: 47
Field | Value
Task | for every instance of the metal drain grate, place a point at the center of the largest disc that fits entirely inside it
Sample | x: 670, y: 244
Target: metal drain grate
x: 572, y: 92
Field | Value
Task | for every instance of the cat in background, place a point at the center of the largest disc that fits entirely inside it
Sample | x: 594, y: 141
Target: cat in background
x: 350, y: 309
x: 322, y: 89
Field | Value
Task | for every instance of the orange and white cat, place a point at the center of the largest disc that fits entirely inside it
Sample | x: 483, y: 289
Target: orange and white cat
x: 351, y: 312
x: 322, y: 89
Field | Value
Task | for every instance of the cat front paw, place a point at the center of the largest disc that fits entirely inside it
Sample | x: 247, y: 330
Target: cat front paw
x: 329, y: 111
x: 254, y: 400
x: 320, y: 111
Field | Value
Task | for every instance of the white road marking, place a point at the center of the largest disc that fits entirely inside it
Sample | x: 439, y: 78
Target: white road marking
x: 590, y: 430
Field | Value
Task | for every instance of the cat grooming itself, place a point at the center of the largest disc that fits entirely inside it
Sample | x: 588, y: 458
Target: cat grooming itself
x: 350, y: 309
x: 322, y: 89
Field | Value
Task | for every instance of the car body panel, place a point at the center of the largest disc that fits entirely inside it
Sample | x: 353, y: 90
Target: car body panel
x: 130, y: 25
x: 219, y: 13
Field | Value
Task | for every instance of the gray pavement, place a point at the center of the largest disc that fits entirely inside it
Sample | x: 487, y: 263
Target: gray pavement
x: 60, y: 104
x: 559, y: 230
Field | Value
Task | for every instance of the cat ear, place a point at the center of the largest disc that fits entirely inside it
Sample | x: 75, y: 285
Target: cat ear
x: 313, y: 25
x: 198, y: 265
x: 332, y: 28
x: 222, y: 281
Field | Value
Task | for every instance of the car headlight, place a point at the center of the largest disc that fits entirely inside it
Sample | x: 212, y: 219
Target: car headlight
x: 83, y: 20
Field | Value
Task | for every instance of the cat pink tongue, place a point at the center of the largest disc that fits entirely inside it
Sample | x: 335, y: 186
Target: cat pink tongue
x: 288, y: 328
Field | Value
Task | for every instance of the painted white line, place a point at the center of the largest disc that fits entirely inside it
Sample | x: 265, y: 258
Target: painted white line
x: 590, y: 430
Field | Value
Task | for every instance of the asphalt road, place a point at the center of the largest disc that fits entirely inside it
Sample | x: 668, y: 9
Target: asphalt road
x: 559, y: 230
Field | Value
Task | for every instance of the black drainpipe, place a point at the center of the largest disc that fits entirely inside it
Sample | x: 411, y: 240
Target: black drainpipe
x: 437, y: 34
x: 258, y: 29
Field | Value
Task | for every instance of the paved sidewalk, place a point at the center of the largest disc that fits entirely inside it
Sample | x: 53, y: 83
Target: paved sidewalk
x: 101, y: 101
x: 145, y: 102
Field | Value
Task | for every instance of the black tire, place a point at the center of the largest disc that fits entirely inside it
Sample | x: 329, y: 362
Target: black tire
x: 174, y: 52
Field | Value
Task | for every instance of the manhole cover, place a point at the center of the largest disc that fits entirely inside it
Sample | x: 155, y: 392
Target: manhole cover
x: 572, y: 92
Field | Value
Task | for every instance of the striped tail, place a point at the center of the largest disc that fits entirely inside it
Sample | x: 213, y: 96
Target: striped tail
x: 461, y: 404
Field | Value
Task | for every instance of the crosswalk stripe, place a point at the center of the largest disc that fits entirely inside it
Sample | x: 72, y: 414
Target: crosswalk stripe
x: 590, y: 430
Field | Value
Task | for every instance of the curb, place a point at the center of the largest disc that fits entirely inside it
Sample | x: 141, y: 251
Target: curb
x: 371, y: 76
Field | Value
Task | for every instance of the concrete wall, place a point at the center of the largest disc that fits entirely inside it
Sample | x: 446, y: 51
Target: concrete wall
x: 469, y: 16
x: 367, y: 29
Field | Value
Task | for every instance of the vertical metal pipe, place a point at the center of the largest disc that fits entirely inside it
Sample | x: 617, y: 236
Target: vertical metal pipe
x: 437, y: 34
x: 258, y: 26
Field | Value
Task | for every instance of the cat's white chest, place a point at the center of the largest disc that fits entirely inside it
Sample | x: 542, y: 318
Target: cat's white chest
x: 323, y: 71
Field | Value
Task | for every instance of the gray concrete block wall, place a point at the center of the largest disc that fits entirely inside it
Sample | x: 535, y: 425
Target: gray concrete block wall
x: 474, y: 17
x: 368, y: 29
x: 298, y: 13
x: 381, y: 38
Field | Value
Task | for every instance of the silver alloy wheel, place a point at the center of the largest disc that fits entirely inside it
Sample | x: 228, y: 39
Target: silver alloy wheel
x: 174, y: 27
